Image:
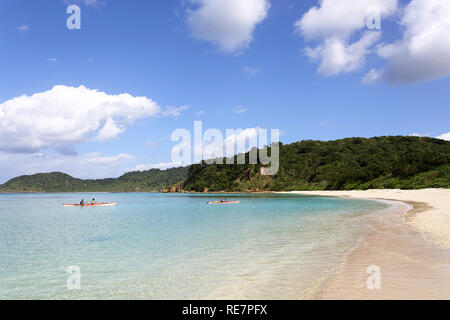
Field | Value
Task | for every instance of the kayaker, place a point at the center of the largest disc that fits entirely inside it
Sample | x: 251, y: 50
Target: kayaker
x: 222, y: 199
x: 93, y: 201
x: 82, y: 202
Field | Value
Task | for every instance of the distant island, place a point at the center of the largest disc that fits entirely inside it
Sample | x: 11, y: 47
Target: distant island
x: 403, y: 162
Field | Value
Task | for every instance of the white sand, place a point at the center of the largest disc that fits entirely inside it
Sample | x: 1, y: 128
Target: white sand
x: 411, y: 266
x: 433, y: 221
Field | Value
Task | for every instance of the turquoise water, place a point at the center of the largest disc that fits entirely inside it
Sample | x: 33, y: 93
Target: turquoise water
x: 159, y: 246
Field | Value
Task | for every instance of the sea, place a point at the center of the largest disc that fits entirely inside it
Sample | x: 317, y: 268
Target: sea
x: 175, y: 246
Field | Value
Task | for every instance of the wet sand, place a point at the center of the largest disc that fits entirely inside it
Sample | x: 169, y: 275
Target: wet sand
x: 404, y: 241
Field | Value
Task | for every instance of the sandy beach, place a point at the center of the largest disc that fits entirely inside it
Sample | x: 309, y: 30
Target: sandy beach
x: 409, y: 243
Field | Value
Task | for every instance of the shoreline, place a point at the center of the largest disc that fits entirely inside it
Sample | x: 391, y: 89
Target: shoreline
x: 407, y: 242
x: 430, y: 213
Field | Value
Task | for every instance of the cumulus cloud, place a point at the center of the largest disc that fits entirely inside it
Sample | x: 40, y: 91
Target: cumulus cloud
x: 333, y: 24
x: 444, y: 136
x: 227, y: 23
x: 340, y: 18
x: 423, y: 52
x: 337, y: 56
x: 62, y: 116
x: 109, y: 130
x: 89, y: 165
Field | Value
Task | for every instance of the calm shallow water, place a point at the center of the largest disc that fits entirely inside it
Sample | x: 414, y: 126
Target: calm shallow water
x: 159, y: 246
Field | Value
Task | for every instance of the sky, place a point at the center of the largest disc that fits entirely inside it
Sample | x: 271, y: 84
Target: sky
x: 103, y: 99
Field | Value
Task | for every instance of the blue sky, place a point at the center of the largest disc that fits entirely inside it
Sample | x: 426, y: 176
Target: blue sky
x: 211, y: 62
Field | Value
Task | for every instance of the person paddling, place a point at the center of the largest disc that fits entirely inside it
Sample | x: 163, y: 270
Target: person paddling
x: 82, y: 202
x: 93, y: 201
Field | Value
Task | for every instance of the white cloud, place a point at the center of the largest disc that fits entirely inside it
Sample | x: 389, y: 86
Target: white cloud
x: 253, y: 71
x: 250, y: 135
x: 333, y: 23
x: 174, y: 111
x: 200, y: 113
x: 337, y: 56
x: 52, y: 60
x: 444, y: 136
x: 227, y: 23
x: 98, y: 158
x: 87, y: 166
x: 240, y: 110
x: 340, y: 18
x: 423, y: 52
x: 418, y: 135
x: 23, y: 28
x: 62, y: 116
x: 246, y: 137
x: 372, y: 76
x: 110, y: 130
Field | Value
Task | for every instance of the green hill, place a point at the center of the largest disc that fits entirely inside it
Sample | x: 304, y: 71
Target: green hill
x: 139, y: 181
x: 353, y: 163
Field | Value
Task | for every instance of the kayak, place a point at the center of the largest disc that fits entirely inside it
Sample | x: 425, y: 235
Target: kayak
x: 101, y: 204
x: 224, y: 202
